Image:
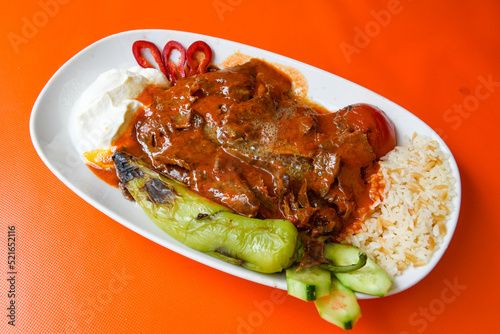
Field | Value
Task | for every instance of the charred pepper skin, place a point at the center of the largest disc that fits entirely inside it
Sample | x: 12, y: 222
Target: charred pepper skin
x: 266, y: 246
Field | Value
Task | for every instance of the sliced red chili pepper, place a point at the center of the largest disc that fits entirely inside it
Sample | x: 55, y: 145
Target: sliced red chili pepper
x: 137, y: 48
x: 173, y: 71
x: 192, y: 64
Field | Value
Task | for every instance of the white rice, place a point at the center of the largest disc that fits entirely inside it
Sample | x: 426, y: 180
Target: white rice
x: 410, y: 222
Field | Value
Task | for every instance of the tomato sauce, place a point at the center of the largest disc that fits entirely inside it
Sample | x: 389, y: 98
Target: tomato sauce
x: 242, y: 138
x: 100, y: 162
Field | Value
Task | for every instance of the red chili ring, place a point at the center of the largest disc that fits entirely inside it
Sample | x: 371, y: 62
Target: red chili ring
x: 172, y: 70
x: 137, y: 48
x: 192, y: 64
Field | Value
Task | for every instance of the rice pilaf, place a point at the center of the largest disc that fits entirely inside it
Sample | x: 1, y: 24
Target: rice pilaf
x: 410, y: 222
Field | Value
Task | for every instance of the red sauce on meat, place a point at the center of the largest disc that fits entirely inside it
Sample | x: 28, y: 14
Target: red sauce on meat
x: 239, y: 136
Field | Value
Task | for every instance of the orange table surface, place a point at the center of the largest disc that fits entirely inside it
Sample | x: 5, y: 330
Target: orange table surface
x: 79, y: 271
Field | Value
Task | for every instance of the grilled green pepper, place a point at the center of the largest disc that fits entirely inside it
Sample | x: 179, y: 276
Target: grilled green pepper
x: 265, y: 246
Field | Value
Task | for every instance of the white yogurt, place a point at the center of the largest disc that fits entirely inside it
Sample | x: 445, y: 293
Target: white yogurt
x: 105, y: 107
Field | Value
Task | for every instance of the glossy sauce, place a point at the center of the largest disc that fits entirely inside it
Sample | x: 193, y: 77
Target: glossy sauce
x: 100, y: 162
x: 239, y: 136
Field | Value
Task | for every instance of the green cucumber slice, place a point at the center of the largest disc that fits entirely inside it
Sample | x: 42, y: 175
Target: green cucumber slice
x: 340, y: 307
x: 370, y: 279
x: 308, y: 283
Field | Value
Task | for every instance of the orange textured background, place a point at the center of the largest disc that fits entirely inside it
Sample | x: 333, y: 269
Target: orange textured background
x: 81, y: 272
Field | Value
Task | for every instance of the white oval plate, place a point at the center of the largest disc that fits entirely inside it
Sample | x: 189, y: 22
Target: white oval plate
x: 51, y: 136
